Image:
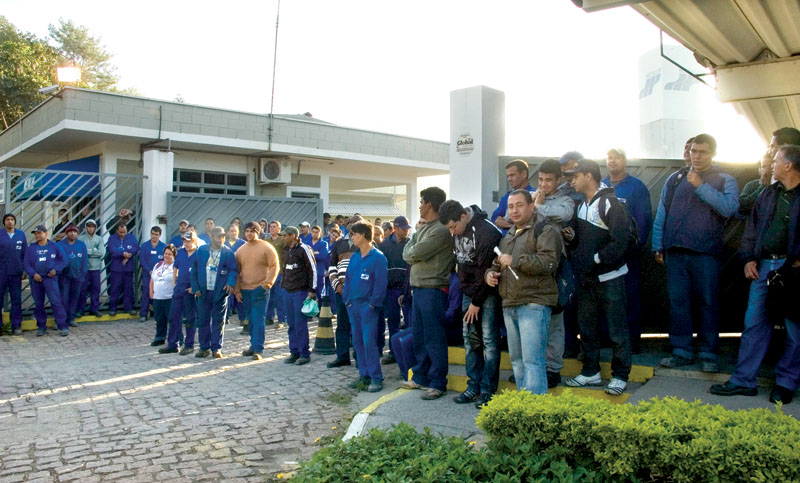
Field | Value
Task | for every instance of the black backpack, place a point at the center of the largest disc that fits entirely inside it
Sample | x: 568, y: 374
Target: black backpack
x: 633, y: 227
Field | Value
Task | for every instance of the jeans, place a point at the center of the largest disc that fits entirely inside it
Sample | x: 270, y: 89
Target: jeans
x: 120, y: 283
x: 756, y: 335
x: 91, y: 283
x: 144, y: 309
x: 70, y: 288
x: 608, y: 298
x: 554, y: 354
x: 402, y: 344
x: 693, y: 279
x: 48, y: 286
x: 183, y: 304
x: 481, y: 340
x: 276, y: 304
x: 12, y: 283
x: 364, y: 320
x: 342, y: 330
x: 391, y: 311
x: 211, y: 309
x: 633, y: 296
x: 430, y: 339
x: 255, y: 302
x: 161, y: 314
x: 298, y: 323
x: 527, y: 338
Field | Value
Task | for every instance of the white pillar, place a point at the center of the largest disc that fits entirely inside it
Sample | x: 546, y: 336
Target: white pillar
x: 412, y: 203
x: 477, y: 138
x: 157, y: 169
x: 325, y: 190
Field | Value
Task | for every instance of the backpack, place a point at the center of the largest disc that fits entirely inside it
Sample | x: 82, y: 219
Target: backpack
x: 633, y: 227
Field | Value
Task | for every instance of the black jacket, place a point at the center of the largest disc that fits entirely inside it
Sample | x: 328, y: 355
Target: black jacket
x: 761, y: 216
x: 474, y: 250
x: 398, y: 268
x: 593, y: 236
x: 299, y: 269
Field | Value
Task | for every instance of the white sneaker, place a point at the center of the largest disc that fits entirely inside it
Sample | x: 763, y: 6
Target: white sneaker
x: 580, y: 380
x: 616, y: 386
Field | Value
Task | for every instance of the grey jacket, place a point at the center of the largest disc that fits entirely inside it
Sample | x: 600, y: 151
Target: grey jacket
x: 558, y: 208
x: 96, y: 250
x: 430, y: 254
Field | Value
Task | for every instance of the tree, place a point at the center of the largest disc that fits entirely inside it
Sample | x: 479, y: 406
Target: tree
x: 26, y: 65
x: 77, y: 46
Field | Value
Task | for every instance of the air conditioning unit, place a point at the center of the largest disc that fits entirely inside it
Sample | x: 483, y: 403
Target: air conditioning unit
x: 274, y: 171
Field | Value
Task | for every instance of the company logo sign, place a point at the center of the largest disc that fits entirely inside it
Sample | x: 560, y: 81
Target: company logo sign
x: 465, y: 144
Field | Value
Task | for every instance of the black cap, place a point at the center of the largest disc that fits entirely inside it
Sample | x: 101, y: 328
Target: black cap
x: 39, y: 228
x: 586, y: 166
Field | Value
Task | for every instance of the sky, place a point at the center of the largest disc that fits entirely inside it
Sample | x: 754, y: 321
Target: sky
x: 570, y: 78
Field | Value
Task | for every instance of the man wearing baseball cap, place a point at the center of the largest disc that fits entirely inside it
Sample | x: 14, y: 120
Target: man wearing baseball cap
x: 177, y: 240
x: 299, y: 281
x: 71, y: 278
x: 392, y: 248
x: 13, y: 245
x: 305, y: 233
x: 44, y: 260
x: 96, y: 250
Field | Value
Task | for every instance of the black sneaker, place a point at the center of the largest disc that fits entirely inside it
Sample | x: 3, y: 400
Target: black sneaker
x: 203, y: 353
x: 96, y: 314
x: 64, y: 333
x: 112, y: 314
x: 482, y: 400
x: 781, y: 394
x: 245, y: 330
x: 268, y: 323
x: 360, y: 383
x: 186, y: 351
x: 553, y: 379
x: 40, y: 332
x: 156, y: 343
x: 676, y: 361
x: 291, y: 359
x: 465, y: 397
x: 72, y: 323
x: 388, y: 359
x: 247, y: 352
x: 731, y: 389
x: 302, y: 361
x: 339, y: 363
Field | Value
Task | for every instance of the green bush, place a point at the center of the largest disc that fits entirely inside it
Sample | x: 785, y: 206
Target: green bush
x: 403, y: 455
x: 662, y: 439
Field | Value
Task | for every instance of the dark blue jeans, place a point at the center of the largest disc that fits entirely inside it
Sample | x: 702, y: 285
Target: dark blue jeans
x: 606, y: 298
x: 298, y: 323
x: 633, y: 295
x: 211, y: 309
x: 481, y: 344
x: 693, y: 279
x: 13, y: 285
x: 342, y: 330
x: 430, y: 338
x: 161, y: 314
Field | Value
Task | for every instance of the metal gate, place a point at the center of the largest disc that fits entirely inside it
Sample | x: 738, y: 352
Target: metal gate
x: 196, y: 207
x: 35, y: 196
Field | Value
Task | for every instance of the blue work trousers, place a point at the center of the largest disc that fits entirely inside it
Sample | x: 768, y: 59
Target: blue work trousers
x: 48, y: 286
x: 526, y: 326
x: 481, y: 345
x: 13, y: 285
x: 402, y: 344
x: 430, y: 338
x: 70, y: 289
x: 756, y: 335
x: 91, y: 284
x: 693, y: 280
x: 183, y: 308
x: 144, y: 309
x: 391, y: 316
x: 161, y: 310
x: 342, y: 330
x: 211, y: 309
x: 255, y: 303
x: 298, y: 323
x: 364, y: 320
x: 120, y: 283
x: 277, y: 301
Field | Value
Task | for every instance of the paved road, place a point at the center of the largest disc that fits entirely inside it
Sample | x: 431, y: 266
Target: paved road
x: 102, y: 405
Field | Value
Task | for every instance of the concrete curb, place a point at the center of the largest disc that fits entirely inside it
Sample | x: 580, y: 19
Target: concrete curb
x: 360, y: 420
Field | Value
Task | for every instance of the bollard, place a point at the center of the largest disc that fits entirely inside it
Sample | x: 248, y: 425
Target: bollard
x: 324, y: 342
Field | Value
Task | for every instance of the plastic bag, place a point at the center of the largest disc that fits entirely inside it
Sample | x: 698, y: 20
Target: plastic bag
x: 310, y: 308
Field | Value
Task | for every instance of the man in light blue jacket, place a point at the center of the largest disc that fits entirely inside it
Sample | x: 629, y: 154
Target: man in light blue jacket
x: 96, y: 250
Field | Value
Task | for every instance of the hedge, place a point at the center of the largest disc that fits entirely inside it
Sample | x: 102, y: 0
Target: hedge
x: 660, y: 439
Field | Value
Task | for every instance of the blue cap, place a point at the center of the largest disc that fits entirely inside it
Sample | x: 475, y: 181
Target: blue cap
x: 570, y: 155
x: 402, y: 223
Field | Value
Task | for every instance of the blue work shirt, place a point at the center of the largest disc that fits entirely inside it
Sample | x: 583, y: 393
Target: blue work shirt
x: 77, y: 258
x: 183, y: 264
x: 366, y: 278
x: 206, y: 239
x: 322, y: 255
x: 502, y: 207
x: 636, y: 197
x: 12, y: 252
x: 227, y: 270
x: 41, y: 259
x: 149, y: 256
x: 235, y: 245
x: 176, y: 241
x: 116, y: 247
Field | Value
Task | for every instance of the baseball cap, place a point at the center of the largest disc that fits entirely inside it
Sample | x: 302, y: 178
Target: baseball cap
x: 217, y: 231
x: 305, y: 223
x: 402, y: 222
x: 184, y: 221
x: 39, y: 228
x: 71, y: 228
x: 570, y: 155
x: 91, y: 222
x: 290, y: 230
x: 187, y: 235
x: 587, y: 166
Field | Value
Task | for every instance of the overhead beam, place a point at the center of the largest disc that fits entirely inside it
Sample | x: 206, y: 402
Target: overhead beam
x: 595, y: 5
x: 758, y: 80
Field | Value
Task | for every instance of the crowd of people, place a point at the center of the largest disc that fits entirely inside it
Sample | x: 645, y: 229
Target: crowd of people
x: 556, y: 269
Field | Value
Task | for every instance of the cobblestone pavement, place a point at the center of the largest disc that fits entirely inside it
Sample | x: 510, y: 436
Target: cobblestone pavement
x: 103, y: 405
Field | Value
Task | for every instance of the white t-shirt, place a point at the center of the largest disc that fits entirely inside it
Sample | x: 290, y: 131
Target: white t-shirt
x: 163, y: 277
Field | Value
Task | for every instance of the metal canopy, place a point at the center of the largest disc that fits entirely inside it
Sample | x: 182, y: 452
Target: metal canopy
x: 753, y: 47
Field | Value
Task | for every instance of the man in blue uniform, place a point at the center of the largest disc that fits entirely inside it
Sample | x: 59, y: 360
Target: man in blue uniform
x: 392, y: 249
x: 177, y: 240
x: 364, y: 291
x: 122, y: 247
x: 206, y: 236
x: 13, y: 245
x: 305, y: 233
x: 322, y: 255
x: 233, y: 242
x: 43, y: 262
x: 213, y: 275
x: 517, y: 175
x: 71, y: 278
x: 183, y: 304
x: 150, y: 253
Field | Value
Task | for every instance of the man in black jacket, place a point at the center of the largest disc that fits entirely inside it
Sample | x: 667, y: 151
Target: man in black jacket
x: 770, y: 238
x: 299, y: 272
x: 475, y: 239
x: 598, y: 258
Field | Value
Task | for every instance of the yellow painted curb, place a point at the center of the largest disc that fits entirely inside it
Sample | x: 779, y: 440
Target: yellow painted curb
x: 30, y: 324
x: 383, y: 399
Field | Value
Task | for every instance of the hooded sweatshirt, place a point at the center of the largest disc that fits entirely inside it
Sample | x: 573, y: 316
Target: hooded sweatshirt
x: 474, y: 250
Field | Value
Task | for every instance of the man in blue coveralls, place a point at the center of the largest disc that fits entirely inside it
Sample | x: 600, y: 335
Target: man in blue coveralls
x: 233, y: 242
x: 43, y: 262
x: 71, y: 278
x: 150, y: 253
x: 183, y: 303
x: 322, y: 256
x: 213, y: 274
x: 12, y: 252
x: 364, y: 290
x: 122, y: 247
x: 177, y: 240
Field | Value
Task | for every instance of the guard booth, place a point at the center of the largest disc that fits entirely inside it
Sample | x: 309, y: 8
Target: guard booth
x: 36, y: 196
